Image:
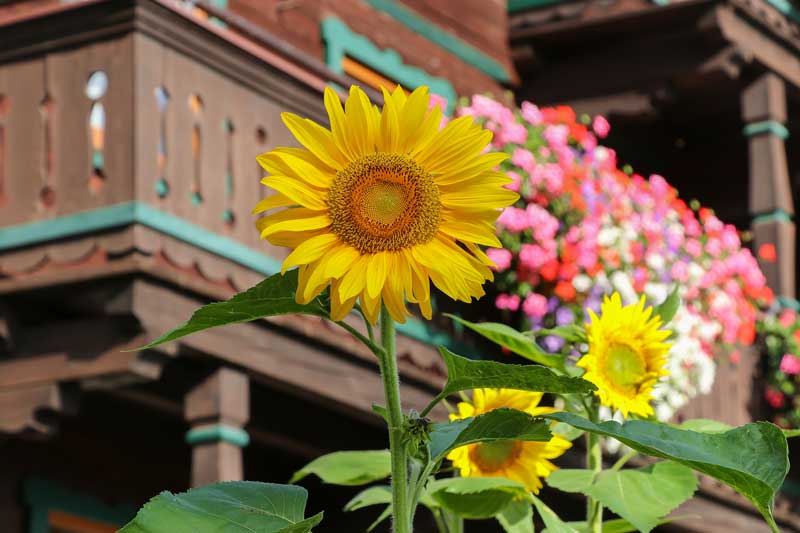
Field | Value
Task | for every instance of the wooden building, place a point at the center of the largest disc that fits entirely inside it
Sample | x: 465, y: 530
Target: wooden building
x: 128, y: 135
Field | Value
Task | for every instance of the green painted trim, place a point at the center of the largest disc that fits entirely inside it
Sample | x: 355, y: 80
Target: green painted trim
x: 124, y: 214
x: 772, y: 127
x: 43, y: 496
x: 786, y: 7
x: 341, y: 41
x: 216, y: 433
x: 515, y: 6
x: 779, y: 215
x: 459, y: 48
x: 789, y: 303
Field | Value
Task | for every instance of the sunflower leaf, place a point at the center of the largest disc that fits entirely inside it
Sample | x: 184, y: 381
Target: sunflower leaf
x: 512, y: 339
x: 498, y: 424
x: 476, y: 497
x: 271, y: 297
x: 667, y: 309
x: 752, y: 459
x: 348, y: 468
x: 551, y: 519
x: 570, y: 333
x: 516, y: 517
x: 379, y: 494
x: 465, y: 374
x: 629, y: 493
x: 238, y: 505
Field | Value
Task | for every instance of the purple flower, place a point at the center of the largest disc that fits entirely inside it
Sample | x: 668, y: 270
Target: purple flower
x: 553, y: 343
x: 564, y: 316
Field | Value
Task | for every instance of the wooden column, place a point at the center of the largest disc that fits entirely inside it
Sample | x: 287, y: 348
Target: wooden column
x: 771, y: 205
x: 217, y: 409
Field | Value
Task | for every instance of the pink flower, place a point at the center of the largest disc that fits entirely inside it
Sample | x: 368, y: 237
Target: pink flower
x: 787, y: 318
x: 694, y: 248
x: 508, y: 302
x: 516, y: 184
x: 523, y: 159
x: 601, y: 126
x: 534, y: 256
x: 514, y: 133
x: 531, y: 113
x: 535, y: 305
x: 500, y: 257
x: 513, y: 219
x: 790, y: 364
x: 437, y: 100
x: 736, y: 357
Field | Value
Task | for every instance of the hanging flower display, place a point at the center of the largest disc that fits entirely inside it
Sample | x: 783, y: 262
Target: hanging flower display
x: 584, y: 228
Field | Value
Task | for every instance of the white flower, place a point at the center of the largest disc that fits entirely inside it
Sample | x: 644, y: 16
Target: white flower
x: 655, y: 261
x: 608, y: 236
x: 582, y: 283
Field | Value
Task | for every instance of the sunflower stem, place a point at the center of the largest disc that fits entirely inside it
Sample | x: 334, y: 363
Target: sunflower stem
x: 594, y: 462
x: 397, y: 447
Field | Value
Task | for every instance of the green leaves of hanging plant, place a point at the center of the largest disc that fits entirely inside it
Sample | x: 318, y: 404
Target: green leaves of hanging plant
x: 271, y: 297
x: 512, y: 339
x: 641, y: 496
x: 466, y: 374
x: 753, y: 459
x: 498, y: 424
x: 239, y: 506
x: 348, y: 468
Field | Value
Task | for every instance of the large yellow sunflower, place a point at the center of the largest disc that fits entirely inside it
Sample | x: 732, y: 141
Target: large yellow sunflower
x: 626, y: 356
x: 385, y: 202
x: 523, y: 461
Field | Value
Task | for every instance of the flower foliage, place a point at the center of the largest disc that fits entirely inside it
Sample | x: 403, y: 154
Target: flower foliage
x: 780, y: 333
x: 584, y: 228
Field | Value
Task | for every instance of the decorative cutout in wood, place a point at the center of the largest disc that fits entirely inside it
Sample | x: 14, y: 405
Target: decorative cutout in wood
x: 3, y: 111
x: 47, y: 195
x: 228, y: 215
x: 162, y: 100
x: 196, y: 107
x: 96, y: 88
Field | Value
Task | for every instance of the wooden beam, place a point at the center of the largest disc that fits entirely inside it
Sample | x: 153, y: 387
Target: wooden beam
x: 320, y: 373
x: 217, y: 409
x: 763, y: 105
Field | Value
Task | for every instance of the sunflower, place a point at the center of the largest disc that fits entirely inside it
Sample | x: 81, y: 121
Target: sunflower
x: 626, y: 356
x: 523, y: 461
x: 385, y: 202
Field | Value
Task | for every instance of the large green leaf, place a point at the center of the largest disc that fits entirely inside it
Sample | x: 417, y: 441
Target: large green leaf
x: 377, y: 495
x: 551, y: 520
x: 465, y: 374
x: 238, y: 506
x: 614, y: 526
x: 476, y: 497
x: 705, y: 425
x: 517, y: 517
x: 348, y: 468
x: 753, y: 459
x: 498, y: 424
x: 271, y: 297
x: 642, y: 496
x: 512, y: 339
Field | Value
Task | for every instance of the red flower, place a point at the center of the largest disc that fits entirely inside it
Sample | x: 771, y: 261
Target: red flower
x: 775, y: 398
x: 565, y: 291
x: 747, y: 333
x: 768, y: 253
x: 549, y: 271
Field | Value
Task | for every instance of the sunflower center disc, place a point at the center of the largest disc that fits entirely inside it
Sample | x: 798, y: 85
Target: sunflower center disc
x: 384, y: 202
x: 624, y: 366
x: 492, y: 456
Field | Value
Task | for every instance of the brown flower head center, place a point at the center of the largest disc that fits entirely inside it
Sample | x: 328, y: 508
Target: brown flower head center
x: 494, y: 456
x: 384, y: 202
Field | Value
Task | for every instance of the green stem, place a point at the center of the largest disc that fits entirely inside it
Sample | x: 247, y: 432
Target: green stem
x: 594, y: 461
x: 391, y: 389
x: 624, y: 459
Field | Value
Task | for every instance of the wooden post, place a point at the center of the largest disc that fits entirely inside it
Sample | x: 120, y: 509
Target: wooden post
x: 217, y: 409
x: 771, y: 206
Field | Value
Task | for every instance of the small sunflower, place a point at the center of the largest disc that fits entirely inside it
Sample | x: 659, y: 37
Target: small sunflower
x: 626, y: 356
x: 385, y: 202
x: 523, y: 461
